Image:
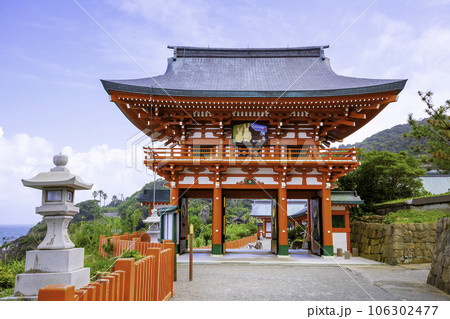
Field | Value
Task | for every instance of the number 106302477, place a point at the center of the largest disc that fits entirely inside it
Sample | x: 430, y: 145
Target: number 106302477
x: 403, y: 310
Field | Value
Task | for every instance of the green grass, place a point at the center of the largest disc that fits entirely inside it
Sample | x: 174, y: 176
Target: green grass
x: 97, y: 264
x: 405, y: 199
x: 416, y: 216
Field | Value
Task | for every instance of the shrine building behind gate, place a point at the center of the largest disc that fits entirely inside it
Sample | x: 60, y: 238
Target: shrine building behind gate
x: 252, y: 123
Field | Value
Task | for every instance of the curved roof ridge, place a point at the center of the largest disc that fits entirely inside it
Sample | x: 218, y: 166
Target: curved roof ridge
x: 203, y: 52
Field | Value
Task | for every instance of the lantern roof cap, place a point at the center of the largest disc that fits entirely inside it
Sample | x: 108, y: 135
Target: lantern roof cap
x: 59, y: 176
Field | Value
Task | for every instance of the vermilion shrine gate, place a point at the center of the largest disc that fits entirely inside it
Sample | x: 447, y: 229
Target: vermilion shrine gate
x: 252, y: 123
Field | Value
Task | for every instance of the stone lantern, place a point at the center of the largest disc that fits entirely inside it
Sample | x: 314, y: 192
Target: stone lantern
x: 55, y: 261
x: 153, y: 230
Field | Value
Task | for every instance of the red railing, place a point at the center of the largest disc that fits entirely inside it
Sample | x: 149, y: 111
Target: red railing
x: 148, y: 279
x: 236, y: 154
x: 239, y: 243
x: 139, y: 241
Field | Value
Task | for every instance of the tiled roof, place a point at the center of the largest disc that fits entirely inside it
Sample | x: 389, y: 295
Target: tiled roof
x: 212, y: 72
x: 161, y: 196
x: 262, y: 207
x: 344, y: 197
x: 298, y: 207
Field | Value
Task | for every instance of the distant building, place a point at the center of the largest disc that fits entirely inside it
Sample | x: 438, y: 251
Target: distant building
x: 114, y: 214
x: 237, y: 220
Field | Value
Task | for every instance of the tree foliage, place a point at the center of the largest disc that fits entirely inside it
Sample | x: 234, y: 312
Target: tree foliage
x: 436, y: 129
x: 385, y: 176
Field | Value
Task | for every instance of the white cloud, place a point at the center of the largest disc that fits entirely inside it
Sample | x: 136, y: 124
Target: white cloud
x: 23, y: 156
x: 402, y: 50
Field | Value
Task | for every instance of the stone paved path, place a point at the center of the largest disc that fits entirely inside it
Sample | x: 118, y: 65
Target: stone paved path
x: 247, y: 281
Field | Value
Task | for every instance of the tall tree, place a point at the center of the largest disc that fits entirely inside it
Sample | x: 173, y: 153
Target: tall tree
x: 100, y: 194
x: 94, y: 194
x: 105, y: 196
x: 437, y: 131
x: 385, y: 176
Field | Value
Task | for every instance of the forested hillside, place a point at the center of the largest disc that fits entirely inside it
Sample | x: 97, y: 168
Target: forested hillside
x: 390, y: 140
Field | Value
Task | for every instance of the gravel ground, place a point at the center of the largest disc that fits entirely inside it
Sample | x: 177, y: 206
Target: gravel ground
x: 245, y: 282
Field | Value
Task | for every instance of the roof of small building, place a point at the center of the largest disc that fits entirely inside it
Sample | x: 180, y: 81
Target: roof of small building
x: 114, y: 214
x: 160, y: 196
x: 261, y: 207
x: 250, y: 72
x: 299, y: 207
x: 236, y: 220
x: 346, y: 197
x: 167, y: 210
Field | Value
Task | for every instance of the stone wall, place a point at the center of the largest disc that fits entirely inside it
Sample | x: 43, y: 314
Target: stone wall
x: 440, y: 268
x: 394, y: 243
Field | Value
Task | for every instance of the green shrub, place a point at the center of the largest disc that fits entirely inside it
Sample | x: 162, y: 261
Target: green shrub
x: 132, y: 254
x: 415, y: 216
x: 297, y: 232
x: 8, y: 271
x: 108, y: 248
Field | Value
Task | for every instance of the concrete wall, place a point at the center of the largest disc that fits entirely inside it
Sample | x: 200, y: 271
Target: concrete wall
x: 440, y: 268
x: 395, y: 243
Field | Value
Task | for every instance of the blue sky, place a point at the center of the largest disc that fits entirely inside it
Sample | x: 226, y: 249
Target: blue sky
x: 53, y: 55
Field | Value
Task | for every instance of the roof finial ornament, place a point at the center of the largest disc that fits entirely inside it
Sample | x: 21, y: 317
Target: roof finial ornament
x: 60, y: 160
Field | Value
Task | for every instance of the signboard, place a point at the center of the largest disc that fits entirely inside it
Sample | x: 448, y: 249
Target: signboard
x: 250, y: 134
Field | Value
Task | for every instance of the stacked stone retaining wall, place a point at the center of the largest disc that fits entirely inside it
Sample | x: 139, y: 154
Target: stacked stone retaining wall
x: 440, y: 268
x: 394, y: 243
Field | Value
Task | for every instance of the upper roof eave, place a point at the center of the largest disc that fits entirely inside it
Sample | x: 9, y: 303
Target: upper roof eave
x: 395, y: 86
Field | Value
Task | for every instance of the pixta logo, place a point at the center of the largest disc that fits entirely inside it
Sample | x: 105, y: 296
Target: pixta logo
x: 135, y: 150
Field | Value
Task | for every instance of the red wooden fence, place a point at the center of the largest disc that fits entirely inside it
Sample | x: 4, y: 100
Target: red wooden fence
x: 150, y: 278
x: 239, y: 243
x: 139, y: 241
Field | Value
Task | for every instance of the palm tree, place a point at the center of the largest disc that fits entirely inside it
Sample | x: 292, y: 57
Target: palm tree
x: 105, y: 196
x: 94, y: 194
x: 100, y: 194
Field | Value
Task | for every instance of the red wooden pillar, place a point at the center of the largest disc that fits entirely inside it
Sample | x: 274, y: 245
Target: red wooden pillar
x: 217, y: 227
x: 283, y: 244
x: 174, y: 193
x: 347, y: 226
x: 327, y: 222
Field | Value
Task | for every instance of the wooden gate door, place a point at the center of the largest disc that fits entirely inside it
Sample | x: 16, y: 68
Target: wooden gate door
x: 316, y: 242
x: 274, y: 213
x: 224, y: 225
x: 183, y: 225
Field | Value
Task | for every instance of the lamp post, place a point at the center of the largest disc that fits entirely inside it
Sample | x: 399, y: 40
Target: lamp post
x: 55, y: 261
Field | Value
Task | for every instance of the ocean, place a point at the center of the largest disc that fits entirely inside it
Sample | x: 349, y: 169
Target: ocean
x: 11, y: 232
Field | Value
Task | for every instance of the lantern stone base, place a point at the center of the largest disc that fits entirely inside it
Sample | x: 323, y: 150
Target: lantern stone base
x: 28, y: 284
x: 59, y: 260
x: 49, y: 267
